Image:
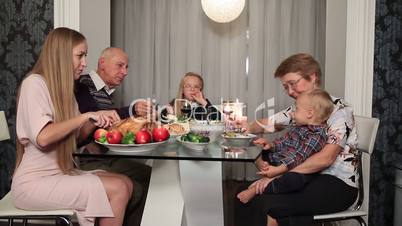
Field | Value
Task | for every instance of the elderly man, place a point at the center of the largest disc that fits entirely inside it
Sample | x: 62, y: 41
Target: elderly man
x: 94, y: 92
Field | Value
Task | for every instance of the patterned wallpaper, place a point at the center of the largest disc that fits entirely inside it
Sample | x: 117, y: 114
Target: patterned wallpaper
x: 387, y: 106
x: 24, y: 25
x: 23, y: 28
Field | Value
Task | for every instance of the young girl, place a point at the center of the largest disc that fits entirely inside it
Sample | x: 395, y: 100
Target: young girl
x: 191, y: 93
x: 48, y: 125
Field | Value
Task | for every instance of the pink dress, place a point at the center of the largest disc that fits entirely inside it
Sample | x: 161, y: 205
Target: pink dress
x: 38, y: 183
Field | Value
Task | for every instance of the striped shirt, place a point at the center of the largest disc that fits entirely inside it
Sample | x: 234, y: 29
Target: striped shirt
x: 92, y: 94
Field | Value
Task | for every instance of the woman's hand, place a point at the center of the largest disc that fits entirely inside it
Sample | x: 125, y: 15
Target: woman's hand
x: 261, y: 184
x: 273, y: 171
x: 104, y: 118
x: 261, y: 164
x: 199, y: 97
x: 111, y: 114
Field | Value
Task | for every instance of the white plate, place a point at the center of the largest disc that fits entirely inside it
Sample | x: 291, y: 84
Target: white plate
x: 132, y: 148
x: 193, y: 145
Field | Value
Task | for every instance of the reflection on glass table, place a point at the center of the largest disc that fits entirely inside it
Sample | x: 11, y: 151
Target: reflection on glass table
x: 183, y: 181
x: 215, y: 151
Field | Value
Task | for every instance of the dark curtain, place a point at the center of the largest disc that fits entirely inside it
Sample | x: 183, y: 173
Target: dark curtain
x: 387, y: 106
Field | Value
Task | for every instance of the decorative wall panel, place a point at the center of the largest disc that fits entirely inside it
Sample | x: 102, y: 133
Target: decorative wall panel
x: 23, y: 28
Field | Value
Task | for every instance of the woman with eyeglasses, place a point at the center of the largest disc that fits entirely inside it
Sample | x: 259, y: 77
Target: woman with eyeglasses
x: 190, y: 101
x: 334, y: 187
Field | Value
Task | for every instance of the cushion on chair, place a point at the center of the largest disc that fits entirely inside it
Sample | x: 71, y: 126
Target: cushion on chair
x: 7, y: 208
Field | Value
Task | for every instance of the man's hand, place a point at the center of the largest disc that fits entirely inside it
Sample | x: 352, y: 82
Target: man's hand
x: 142, y: 108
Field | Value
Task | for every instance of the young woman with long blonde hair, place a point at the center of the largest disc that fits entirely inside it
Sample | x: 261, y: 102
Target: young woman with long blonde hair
x: 48, y: 125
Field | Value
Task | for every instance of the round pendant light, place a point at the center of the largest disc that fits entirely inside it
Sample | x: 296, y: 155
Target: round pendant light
x: 222, y: 11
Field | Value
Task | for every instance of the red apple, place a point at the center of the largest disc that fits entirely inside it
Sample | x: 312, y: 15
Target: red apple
x: 142, y: 137
x: 114, y: 137
x: 100, y: 135
x: 160, y: 134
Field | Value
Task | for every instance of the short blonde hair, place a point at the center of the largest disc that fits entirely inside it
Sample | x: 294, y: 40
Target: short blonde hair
x: 321, y: 102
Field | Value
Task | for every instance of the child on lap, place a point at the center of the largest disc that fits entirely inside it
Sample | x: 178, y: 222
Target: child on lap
x: 299, y: 143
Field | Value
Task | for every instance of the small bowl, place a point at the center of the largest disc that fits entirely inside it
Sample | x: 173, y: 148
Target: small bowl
x: 239, y: 140
x: 193, y: 145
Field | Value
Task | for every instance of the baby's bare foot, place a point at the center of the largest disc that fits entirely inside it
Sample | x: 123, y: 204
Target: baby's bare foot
x: 246, y: 195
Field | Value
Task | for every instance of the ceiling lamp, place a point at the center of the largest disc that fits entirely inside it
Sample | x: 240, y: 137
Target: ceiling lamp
x: 222, y: 11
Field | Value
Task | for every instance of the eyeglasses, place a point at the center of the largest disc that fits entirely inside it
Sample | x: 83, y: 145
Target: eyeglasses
x: 196, y: 87
x: 291, y: 84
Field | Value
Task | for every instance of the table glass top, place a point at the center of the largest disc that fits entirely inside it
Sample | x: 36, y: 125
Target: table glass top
x: 216, y: 151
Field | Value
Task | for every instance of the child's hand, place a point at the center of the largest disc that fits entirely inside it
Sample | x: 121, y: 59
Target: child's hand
x: 265, y: 144
x: 199, y: 97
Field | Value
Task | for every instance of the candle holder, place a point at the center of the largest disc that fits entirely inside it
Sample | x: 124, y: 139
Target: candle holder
x: 234, y: 114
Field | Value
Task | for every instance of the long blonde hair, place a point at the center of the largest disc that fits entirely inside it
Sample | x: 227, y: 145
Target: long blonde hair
x: 55, y: 64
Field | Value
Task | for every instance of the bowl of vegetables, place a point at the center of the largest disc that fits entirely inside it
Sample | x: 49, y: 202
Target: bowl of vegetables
x: 211, y: 129
x: 194, y: 141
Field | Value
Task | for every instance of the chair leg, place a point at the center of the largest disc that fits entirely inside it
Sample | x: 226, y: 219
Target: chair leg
x: 64, y: 221
x: 10, y: 222
x: 361, y: 221
x: 25, y: 222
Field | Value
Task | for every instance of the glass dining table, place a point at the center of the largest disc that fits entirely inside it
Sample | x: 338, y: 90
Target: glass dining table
x: 186, y: 185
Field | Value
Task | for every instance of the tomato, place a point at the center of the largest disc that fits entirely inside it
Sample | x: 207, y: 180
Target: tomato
x: 142, y: 137
x: 100, y: 135
x: 114, y: 137
x: 160, y: 134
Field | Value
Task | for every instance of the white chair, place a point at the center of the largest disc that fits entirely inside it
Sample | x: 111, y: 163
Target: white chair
x: 366, y: 133
x: 10, y: 212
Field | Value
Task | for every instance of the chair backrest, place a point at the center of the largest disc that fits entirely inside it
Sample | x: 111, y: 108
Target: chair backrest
x: 366, y: 129
x: 4, y: 133
x: 366, y: 132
